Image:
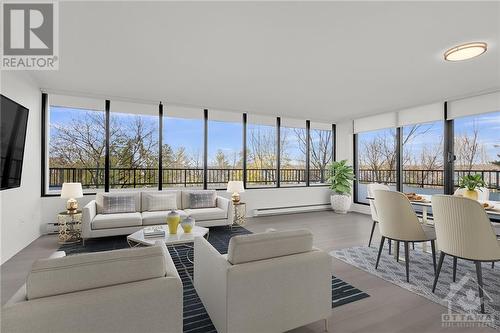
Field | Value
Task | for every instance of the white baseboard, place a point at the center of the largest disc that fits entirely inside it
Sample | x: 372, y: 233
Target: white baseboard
x: 290, y: 210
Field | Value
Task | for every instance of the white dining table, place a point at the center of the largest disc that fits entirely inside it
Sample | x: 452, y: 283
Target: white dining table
x: 426, y: 203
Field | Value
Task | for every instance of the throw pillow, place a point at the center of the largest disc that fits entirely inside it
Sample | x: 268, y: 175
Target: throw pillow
x: 162, y: 202
x: 202, y: 199
x: 114, y: 204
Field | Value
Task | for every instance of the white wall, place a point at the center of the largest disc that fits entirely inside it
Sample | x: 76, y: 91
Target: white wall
x: 20, y: 214
x: 345, y: 151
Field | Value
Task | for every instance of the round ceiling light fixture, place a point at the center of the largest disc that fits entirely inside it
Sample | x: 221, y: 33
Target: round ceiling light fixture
x: 465, y: 51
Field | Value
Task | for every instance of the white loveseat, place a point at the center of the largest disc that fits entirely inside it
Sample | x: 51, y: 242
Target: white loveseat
x: 267, y: 283
x: 131, y: 290
x: 96, y: 224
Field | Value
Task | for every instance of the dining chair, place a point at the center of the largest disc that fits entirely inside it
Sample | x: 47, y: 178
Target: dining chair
x: 464, y: 231
x: 483, y: 194
x: 398, y: 222
x: 370, y: 188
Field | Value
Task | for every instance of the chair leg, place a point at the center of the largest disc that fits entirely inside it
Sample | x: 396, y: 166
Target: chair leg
x: 413, y: 245
x: 382, y: 241
x: 440, y: 263
x: 397, y: 251
x: 326, y: 325
x: 433, y: 249
x: 407, y: 261
x: 371, y: 234
x: 454, y: 269
x: 492, y: 264
x: 480, y: 282
x: 390, y: 246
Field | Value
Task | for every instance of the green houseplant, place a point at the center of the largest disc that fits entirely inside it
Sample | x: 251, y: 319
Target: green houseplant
x: 471, y: 184
x: 340, y: 181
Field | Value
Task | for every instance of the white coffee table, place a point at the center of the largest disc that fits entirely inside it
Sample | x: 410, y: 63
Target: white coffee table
x: 137, y: 238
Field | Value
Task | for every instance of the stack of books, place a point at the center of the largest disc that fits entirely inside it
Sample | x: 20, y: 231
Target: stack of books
x: 154, y: 232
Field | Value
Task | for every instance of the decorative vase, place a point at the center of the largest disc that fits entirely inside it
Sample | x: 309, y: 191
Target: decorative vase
x: 471, y: 194
x: 187, y: 224
x: 340, y: 203
x: 173, y: 219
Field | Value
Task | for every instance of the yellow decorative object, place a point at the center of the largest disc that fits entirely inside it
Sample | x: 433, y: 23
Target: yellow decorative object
x: 470, y: 194
x: 173, y: 219
x: 187, y: 224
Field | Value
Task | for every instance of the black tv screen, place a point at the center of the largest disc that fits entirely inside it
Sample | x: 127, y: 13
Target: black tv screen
x: 13, y: 122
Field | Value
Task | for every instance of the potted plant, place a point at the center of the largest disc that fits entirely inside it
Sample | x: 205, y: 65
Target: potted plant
x: 471, y: 184
x: 341, y: 178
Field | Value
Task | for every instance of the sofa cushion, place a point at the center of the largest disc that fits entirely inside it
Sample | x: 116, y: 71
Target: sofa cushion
x: 95, y: 270
x: 109, y: 221
x: 159, y: 217
x: 100, y: 198
x: 199, y: 199
x: 148, y: 195
x: 118, y: 204
x: 246, y: 248
x: 203, y: 214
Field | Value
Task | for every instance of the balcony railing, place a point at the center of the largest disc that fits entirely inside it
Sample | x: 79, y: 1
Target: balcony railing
x: 178, y: 177
x: 426, y: 178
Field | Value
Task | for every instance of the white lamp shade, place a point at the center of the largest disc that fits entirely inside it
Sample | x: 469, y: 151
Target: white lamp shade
x: 235, y: 186
x: 71, y: 190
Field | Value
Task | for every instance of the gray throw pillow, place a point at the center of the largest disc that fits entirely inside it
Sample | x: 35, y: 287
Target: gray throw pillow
x: 202, y: 199
x: 114, y: 204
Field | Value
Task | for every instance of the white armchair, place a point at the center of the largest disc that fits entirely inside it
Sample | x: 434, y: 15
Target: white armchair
x: 269, y: 282
x: 132, y: 290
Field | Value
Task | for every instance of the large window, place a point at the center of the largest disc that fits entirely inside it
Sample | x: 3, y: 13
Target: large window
x: 293, y: 146
x: 423, y: 158
x: 225, y: 149
x: 76, y: 144
x: 194, y: 144
x: 133, y: 145
x: 321, y: 154
x: 477, y: 149
x: 261, y: 152
x: 376, y: 160
x: 182, y: 149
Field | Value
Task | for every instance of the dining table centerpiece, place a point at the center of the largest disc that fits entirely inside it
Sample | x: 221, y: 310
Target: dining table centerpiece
x: 472, y: 184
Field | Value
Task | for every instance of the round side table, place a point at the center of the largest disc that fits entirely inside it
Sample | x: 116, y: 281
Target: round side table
x: 239, y: 213
x: 70, y: 227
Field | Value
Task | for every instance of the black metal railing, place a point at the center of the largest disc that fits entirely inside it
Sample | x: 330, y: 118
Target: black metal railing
x: 425, y: 178
x: 182, y: 177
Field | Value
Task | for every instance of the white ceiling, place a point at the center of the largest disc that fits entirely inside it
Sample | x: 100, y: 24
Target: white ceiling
x: 324, y: 61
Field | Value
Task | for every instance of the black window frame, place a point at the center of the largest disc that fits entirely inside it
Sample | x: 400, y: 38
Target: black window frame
x: 161, y: 112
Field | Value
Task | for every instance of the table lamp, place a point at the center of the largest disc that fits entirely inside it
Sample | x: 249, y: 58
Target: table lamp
x: 235, y: 187
x: 71, y: 191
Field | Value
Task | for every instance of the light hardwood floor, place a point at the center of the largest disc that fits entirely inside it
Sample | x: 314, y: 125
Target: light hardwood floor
x: 388, y: 309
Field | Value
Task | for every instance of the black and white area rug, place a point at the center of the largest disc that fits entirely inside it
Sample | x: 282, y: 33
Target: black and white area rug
x: 196, y: 318
x: 460, y: 299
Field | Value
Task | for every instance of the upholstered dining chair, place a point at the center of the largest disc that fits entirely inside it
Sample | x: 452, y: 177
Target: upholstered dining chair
x: 483, y: 194
x: 464, y: 231
x: 398, y: 222
x: 370, y: 188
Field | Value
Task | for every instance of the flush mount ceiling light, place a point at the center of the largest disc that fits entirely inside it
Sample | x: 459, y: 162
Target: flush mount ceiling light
x: 465, y: 51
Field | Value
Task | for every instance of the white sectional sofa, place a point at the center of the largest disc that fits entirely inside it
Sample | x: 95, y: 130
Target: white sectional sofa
x: 268, y: 282
x: 125, y: 291
x: 97, y: 224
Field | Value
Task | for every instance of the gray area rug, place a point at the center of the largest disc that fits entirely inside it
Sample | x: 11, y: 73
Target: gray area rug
x: 460, y: 299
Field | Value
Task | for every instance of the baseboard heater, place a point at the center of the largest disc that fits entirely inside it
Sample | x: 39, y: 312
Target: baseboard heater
x: 291, y: 209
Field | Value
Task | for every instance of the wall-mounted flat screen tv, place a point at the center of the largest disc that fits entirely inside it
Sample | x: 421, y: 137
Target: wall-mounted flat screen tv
x: 13, y: 123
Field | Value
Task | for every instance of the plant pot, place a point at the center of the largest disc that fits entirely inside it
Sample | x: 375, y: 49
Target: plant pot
x: 340, y: 203
x: 470, y: 194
